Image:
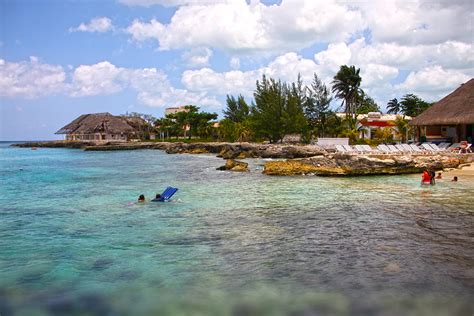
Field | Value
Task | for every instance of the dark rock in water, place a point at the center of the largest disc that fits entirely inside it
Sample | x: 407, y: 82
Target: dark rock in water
x: 94, y: 305
x: 60, y: 305
x: 234, y: 165
x: 102, y: 264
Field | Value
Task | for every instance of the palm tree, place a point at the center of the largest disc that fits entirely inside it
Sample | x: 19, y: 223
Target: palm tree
x: 393, y: 106
x: 346, y: 86
x: 403, y: 129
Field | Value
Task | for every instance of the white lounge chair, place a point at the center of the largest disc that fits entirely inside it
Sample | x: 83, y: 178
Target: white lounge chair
x: 349, y: 149
x: 393, y: 149
x: 384, y: 149
x: 407, y: 148
x: 435, y: 147
x: 360, y: 149
x: 400, y: 148
x: 368, y: 148
x: 416, y: 149
x: 340, y: 149
x: 427, y: 147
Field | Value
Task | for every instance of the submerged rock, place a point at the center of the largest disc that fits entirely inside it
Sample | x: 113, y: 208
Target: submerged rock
x: 234, y: 165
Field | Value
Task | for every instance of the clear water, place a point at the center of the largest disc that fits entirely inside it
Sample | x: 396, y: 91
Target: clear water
x: 73, y: 241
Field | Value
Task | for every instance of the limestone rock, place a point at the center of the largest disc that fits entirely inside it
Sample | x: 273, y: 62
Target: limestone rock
x: 234, y: 165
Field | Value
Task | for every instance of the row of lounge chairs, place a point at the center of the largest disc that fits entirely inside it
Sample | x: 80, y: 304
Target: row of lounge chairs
x: 425, y: 148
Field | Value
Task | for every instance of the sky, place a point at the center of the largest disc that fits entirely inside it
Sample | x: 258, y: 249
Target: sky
x: 63, y: 58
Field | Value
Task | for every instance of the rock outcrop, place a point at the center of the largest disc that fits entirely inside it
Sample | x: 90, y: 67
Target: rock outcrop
x: 358, y: 165
x: 234, y: 165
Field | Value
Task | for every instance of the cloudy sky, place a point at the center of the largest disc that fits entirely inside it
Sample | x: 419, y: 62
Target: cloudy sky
x: 60, y: 59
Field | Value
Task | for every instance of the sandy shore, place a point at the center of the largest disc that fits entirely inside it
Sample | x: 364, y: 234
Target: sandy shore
x: 466, y: 171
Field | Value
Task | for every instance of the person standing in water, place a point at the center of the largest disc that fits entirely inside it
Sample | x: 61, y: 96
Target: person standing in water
x: 425, y: 178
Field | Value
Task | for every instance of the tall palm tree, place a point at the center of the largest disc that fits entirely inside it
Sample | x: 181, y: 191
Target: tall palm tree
x: 346, y: 86
x: 393, y: 106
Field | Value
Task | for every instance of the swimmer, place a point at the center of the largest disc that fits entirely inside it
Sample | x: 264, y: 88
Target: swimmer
x: 455, y: 179
x: 157, y: 198
x: 439, y: 176
x: 141, y: 198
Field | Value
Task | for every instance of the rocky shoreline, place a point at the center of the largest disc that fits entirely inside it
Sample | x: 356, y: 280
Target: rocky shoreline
x: 299, y: 159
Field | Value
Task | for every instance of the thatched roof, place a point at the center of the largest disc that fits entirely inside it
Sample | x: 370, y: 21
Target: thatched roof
x: 97, y: 123
x: 454, y: 109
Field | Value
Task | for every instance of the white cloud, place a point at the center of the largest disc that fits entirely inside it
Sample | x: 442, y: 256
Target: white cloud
x: 234, y: 63
x: 99, y: 25
x: 33, y: 79
x: 171, y: 3
x: 30, y: 79
x: 238, y: 27
x: 432, y: 83
x: 418, y: 22
x: 197, y: 57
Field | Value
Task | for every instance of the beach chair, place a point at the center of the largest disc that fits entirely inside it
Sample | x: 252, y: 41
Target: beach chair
x: 384, y: 149
x: 349, y: 149
x: 408, y: 148
x: 360, y: 149
x: 427, y: 147
x: 393, y: 149
x: 340, y: 149
x: 444, y: 146
x: 416, y: 149
x: 454, y: 147
x: 435, y: 147
x: 167, y: 194
x: 400, y: 148
x: 368, y: 149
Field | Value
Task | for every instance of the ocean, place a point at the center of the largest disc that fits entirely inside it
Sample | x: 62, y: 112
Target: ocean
x: 74, y: 241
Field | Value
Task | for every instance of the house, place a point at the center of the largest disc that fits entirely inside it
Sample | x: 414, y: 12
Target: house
x: 99, y: 127
x: 174, y: 110
x: 367, y: 124
x: 449, y: 120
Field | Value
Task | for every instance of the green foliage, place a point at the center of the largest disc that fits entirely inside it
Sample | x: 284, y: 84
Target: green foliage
x: 278, y: 109
x: 393, y: 106
x: 413, y: 105
x: 346, y: 86
x: 403, y: 129
x: 366, y: 105
x: 237, y: 110
x: 199, y: 123
x: 384, y: 135
x: 316, y: 107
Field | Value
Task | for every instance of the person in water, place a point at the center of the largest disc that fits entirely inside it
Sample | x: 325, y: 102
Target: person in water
x: 455, y: 179
x: 432, y: 177
x: 157, y: 198
x: 426, y: 178
x: 439, y: 176
x: 141, y: 198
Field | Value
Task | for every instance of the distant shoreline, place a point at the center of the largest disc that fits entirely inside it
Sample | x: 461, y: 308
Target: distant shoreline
x: 294, y: 159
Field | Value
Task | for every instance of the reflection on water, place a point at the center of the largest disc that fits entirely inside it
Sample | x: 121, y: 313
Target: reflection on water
x: 73, y: 241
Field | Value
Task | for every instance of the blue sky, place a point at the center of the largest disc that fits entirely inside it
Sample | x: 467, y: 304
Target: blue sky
x: 60, y: 59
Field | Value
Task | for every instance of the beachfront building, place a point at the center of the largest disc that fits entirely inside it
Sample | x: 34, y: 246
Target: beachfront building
x: 99, y: 127
x: 173, y: 110
x: 449, y: 120
x: 368, y: 124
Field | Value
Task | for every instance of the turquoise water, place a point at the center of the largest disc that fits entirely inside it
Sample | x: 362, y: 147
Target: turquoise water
x: 73, y: 241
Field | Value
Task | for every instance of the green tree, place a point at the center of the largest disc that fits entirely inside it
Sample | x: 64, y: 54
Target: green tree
x: 393, y: 106
x: 295, y: 98
x: 346, y: 86
x: 403, y: 129
x: 316, y: 107
x: 237, y: 110
x: 413, y: 105
x: 366, y: 105
x: 268, y: 112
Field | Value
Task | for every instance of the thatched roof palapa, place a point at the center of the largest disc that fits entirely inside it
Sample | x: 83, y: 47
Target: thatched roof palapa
x: 97, y: 123
x: 456, y: 108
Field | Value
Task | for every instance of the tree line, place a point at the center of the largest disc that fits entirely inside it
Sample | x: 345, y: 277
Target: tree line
x: 283, y: 108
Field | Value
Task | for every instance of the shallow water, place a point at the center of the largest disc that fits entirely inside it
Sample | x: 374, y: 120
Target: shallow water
x: 73, y: 240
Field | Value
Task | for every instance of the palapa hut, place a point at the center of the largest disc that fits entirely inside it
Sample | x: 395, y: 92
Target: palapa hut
x: 451, y: 119
x: 98, y: 127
